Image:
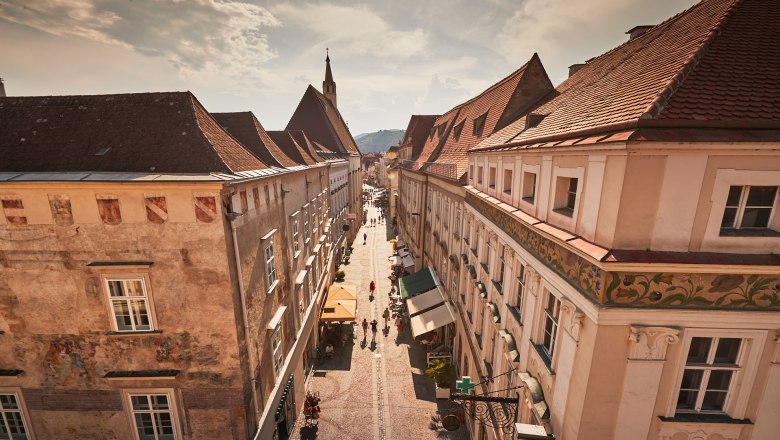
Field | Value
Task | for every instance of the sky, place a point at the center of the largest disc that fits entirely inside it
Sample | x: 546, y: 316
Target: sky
x: 390, y: 59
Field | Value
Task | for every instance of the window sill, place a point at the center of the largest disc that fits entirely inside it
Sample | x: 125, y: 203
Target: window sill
x: 485, y: 267
x: 509, y: 193
x: 135, y: 333
x: 728, y: 232
x: 568, y: 212
x: 273, y: 287
x: 704, y: 418
x: 529, y: 200
x: 492, y: 186
x: 545, y: 358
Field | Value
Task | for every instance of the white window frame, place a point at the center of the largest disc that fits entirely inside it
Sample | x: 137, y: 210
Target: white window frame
x: 557, y: 325
x: 507, y: 187
x: 277, y: 349
x: 492, y: 176
x: 295, y: 236
x: 519, y: 294
x: 145, y: 297
x: 172, y: 407
x: 21, y: 409
x: 271, y: 278
x: 480, y: 170
x: 753, y: 342
x: 742, y: 205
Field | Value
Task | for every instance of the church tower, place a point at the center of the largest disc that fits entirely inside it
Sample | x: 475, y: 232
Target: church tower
x: 329, y: 86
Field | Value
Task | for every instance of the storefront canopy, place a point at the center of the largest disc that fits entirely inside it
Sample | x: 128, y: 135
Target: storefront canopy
x: 425, y: 301
x: 416, y: 283
x: 432, y: 319
x: 341, y: 304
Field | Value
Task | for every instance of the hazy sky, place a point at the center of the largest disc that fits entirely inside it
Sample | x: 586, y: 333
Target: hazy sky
x: 390, y: 59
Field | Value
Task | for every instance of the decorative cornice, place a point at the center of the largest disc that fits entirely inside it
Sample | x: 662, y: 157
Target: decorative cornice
x: 650, y: 343
x: 571, y: 319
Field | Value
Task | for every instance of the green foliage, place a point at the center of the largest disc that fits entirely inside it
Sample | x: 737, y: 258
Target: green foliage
x: 441, y: 373
x: 340, y: 274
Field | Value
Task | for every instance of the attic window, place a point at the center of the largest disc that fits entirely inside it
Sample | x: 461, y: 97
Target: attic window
x: 440, y: 128
x: 433, y: 130
x: 479, y: 125
x: 458, y: 129
x: 102, y: 150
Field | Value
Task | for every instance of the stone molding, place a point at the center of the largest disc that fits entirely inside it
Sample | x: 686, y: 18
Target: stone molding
x: 650, y: 343
x: 698, y: 431
x: 571, y: 319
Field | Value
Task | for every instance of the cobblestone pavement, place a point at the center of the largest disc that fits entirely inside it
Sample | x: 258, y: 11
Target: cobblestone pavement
x: 375, y: 390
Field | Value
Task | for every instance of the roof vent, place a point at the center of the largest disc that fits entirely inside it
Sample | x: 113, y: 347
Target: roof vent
x: 574, y: 68
x: 533, y: 119
x: 636, y: 31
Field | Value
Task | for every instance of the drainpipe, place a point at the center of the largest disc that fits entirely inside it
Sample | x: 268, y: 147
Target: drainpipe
x: 424, y: 209
x: 242, y: 292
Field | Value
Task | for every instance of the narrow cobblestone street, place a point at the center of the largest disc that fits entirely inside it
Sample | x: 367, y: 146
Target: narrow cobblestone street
x: 375, y: 389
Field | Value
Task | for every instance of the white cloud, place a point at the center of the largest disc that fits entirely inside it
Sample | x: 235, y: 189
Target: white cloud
x: 207, y: 37
x: 355, y: 30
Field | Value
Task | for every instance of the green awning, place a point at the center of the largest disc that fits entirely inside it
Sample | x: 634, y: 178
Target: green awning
x: 481, y: 287
x: 511, y: 348
x: 494, y: 311
x: 416, y: 283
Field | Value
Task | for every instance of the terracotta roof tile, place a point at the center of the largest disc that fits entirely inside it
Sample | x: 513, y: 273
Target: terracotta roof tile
x: 322, y: 122
x: 138, y: 132
x: 293, y: 150
x: 717, y: 61
x: 417, y: 132
x: 245, y: 127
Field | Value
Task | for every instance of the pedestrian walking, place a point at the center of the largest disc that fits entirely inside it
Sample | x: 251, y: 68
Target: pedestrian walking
x: 365, y: 328
x: 372, y: 287
x: 365, y: 236
x: 386, y: 316
x: 399, y: 322
x: 373, y: 330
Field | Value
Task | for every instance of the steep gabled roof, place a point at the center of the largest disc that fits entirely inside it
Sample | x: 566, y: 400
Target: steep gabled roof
x: 245, y: 127
x: 716, y: 64
x: 293, y: 150
x: 417, y: 132
x: 308, y: 146
x: 467, y: 124
x: 139, y: 132
x: 322, y: 122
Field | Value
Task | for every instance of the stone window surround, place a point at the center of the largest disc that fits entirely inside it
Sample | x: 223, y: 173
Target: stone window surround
x: 754, y: 342
x: 268, y: 242
x: 558, y: 219
x: 529, y: 207
x: 172, y: 405
x: 17, y: 392
x: 724, y: 179
x: 112, y: 273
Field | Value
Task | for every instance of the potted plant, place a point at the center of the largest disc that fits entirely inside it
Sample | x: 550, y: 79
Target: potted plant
x: 340, y: 275
x: 441, y: 373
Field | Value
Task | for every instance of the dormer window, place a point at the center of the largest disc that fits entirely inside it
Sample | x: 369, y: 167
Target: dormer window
x: 479, y: 125
x: 440, y: 129
x: 566, y: 196
x: 458, y: 128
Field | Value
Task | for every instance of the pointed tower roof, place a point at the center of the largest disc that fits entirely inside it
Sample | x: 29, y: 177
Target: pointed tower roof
x: 328, y: 73
x: 322, y: 122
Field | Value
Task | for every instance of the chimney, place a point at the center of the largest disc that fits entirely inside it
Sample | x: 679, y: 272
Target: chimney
x: 575, y: 67
x: 2, y: 88
x: 636, y: 31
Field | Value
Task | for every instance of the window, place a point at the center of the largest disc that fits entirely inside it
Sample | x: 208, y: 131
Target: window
x: 508, y: 182
x: 296, y: 243
x: 428, y: 203
x: 306, y: 226
x: 488, y: 255
x: 12, y: 424
x: 520, y: 288
x: 446, y: 215
x: 552, y: 312
x: 529, y: 187
x: 749, y: 207
x: 153, y: 416
x: 566, y: 195
x: 492, y: 177
x: 456, y: 221
x: 479, y: 175
x: 276, y: 350
x: 458, y: 129
x: 471, y: 173
x: 129, y: 304
x: 479, y: 125
x: 270, y: 266
x: 710, y: 368
x: 501, y: 270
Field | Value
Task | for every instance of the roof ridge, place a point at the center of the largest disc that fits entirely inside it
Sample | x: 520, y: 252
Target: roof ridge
x: 501, y: 82
x: 662, y: 98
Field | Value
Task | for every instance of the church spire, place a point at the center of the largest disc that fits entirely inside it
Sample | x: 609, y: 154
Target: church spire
x: 329, y: 86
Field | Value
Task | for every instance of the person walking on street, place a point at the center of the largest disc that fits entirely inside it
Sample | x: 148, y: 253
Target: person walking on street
x: 372, y: 287
x: 386, y: 316
x: 365, y: 236
x: 373, y: 330
x: 365, y: 328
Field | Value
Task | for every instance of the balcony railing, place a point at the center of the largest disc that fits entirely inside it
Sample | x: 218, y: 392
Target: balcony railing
x: 448, y: 170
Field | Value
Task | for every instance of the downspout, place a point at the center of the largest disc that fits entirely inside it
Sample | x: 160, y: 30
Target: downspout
x: 424, y: 209
x: 242, y: 293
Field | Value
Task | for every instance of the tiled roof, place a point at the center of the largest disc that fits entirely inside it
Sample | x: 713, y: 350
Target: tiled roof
x: 245, y: 127
x: 454, y: 132
x: 713, y: 64
x: 322, y: 122
x: 307, y: 145
x: 139, y: 132
x: 417, y: 133
x: 293, y: 150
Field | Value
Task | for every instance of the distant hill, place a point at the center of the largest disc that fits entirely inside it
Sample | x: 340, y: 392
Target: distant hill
x: 378, y: 141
